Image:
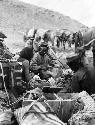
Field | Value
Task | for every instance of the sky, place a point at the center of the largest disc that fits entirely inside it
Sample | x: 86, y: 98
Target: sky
x: 80, y: 10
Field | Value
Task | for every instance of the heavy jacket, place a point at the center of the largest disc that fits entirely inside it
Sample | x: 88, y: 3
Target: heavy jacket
x: 84, y: 79
x: 41, y: 64
x: 41, y: 60
x: 25, y: 56
x: 27, y: 53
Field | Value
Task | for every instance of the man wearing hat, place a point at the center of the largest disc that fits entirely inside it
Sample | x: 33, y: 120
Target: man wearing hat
x: 2, y: 45
x: 4, y: 50
x: 84, y: 77
x: 25, y: 56
x: 41, y: 62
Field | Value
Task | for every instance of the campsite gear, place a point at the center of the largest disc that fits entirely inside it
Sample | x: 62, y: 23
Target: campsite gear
x: 4, y: 73
x: 4, y: 84
x: 10, y: 76
x: 40, y: 112
x: 16, y: 73
x: 50, y: 89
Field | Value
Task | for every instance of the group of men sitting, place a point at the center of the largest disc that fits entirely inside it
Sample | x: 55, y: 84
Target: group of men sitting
x: 36, y: 60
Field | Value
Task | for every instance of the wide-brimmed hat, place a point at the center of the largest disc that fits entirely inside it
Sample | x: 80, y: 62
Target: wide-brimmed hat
x: 80, y: 52
x: 72, y: 57
x: 74, y: 61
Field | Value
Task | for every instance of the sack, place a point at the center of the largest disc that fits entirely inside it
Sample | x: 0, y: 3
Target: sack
x: 6, y: 118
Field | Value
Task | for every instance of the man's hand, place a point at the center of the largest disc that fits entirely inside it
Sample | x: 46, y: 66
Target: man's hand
x: 16, y: 57
x: 56, y: 66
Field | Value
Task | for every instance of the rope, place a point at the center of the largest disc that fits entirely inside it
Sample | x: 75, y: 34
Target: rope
x: 32, y: 111
x: 18, y: 100
x: 5, y: 84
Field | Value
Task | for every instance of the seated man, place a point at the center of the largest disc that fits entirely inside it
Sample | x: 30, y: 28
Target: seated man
x: 41, y: 62
x: 4, y: 63
x: 25, y: 56
x: 84, y: 77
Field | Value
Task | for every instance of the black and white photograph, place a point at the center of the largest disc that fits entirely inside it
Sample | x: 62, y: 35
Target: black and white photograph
x: 47, y: 62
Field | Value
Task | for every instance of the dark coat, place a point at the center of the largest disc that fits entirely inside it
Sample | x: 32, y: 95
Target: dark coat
x: 27, y: 53
x: 89, y: 35
x: 84, y: 79
x: 25, y: 56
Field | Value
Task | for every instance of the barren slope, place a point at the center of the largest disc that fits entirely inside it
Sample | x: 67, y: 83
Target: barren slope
x: 16, y: 17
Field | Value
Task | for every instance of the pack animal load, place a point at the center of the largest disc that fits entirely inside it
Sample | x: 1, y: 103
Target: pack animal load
x: 16, y: 73
x: 4, y: 73
x: 10, y: 73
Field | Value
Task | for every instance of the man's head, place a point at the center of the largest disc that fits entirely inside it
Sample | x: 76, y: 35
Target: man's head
x: 43, y: 48
x: 73, y: 62
x: 77, y: 60
x: 82, y: 56
x: 29, y: 43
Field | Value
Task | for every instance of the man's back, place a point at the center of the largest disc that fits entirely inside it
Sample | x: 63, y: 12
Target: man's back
x: 84, y: 79
x: 27, y: 53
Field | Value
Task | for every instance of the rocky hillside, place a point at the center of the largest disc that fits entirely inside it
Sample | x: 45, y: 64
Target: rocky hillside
x: 16, y: 17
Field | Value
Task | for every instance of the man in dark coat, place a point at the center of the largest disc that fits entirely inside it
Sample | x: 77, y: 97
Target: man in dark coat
x: 41, y: 62
x: 25, y: 57
x: 84, y: 77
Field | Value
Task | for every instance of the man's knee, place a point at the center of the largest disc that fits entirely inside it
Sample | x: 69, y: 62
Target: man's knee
x: 25, y: 63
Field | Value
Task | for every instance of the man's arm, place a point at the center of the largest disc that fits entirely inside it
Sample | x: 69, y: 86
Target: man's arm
x: 26, y: 69
x: 75, y: 84
x: 34, y: 64
x: 53, y: 63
